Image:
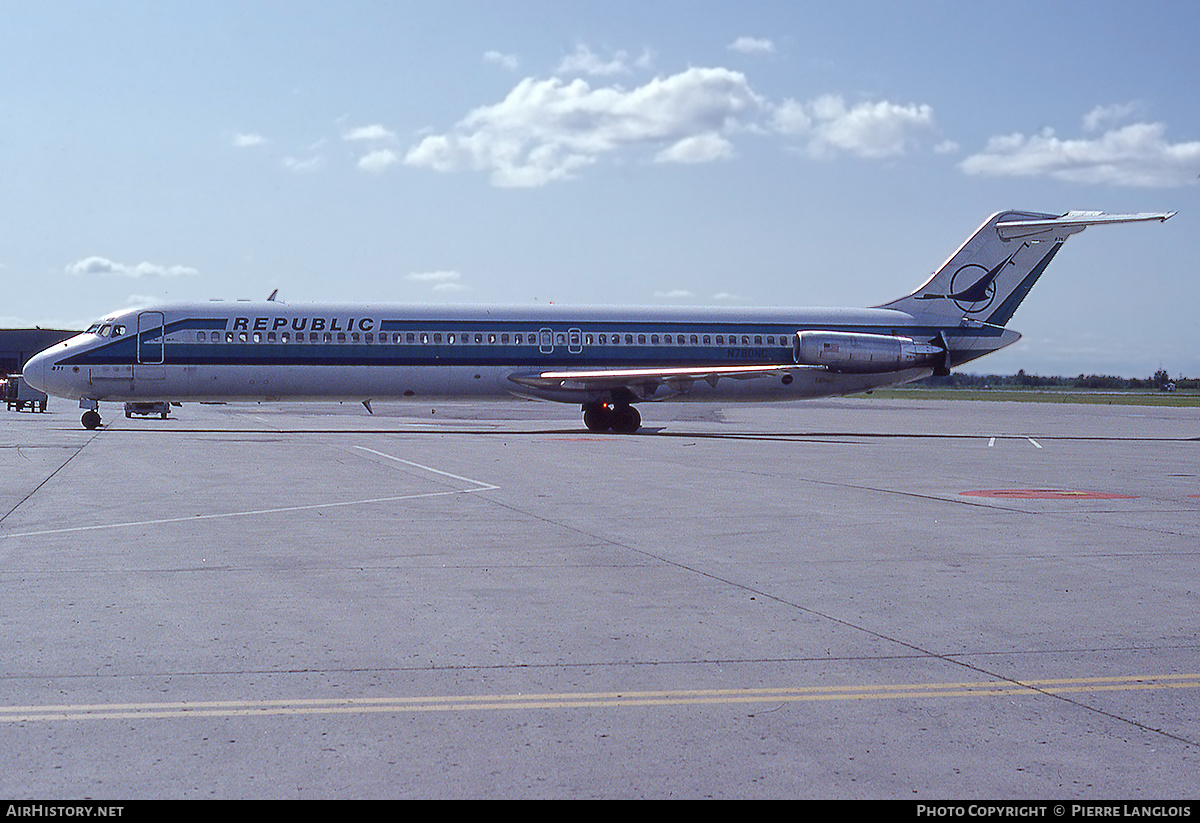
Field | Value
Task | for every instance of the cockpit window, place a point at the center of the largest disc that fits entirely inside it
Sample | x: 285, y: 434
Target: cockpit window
x: 104, y: 330
x: 92, y: 329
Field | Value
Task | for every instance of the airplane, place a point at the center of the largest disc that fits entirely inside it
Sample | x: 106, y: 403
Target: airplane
x: 606, y: 359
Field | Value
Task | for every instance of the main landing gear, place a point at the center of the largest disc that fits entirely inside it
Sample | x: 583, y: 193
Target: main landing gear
x: 619, y: 417
x: 91, y: 419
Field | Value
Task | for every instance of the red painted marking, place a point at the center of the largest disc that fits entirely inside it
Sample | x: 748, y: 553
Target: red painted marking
x: 1047, y: 494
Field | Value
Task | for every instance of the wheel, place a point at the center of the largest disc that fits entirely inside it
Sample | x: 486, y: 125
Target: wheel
x: 597, y: 418
x: 91, y: 419
x: 626, y: 420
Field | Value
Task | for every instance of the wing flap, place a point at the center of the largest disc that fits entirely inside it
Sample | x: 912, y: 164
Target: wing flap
x: 642, y: 381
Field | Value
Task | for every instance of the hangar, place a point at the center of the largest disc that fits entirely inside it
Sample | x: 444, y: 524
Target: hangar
x: 18, y: 345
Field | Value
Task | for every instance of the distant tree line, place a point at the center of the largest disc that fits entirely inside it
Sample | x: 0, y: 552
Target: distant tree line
x: 1159, y: 381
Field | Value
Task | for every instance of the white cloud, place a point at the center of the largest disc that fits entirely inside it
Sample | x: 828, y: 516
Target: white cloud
x: 373, y: 132
x: 1105, y: 116
x: 443, y: 281
x: 378, y: 161
x: 724, y: 296
x: 105, y: 267
x: 584, y: 61
x: 508, y: 61
x: 549, y: 129
x: 871, y: 130
x: 700, y: 148
x: 1134, y: 155
x: 673, y: 294
x: 245, y: 141
x: 545, y: 130
x: 302, y: 165
x: 752, y: 45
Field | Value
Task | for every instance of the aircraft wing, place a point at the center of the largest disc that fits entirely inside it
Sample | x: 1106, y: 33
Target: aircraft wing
x: 645, y: 382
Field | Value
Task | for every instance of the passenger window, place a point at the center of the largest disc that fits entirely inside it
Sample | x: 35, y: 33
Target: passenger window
x: 341, y: 337
x: 758, y: 339
x: 201, y: 336
x: 478, y: 339
x: 450, y: 338
x: 424, y: 338
x: 629, y: 340
x: 504, y: 339
x: 258, y: 337
x: 745, y: 340
x: 118, y: 331
x: 271, y: 337
x: 242, y: 337
x: 284, y: 337
x: 491, y: 339
x: 354, y: 337
x: 411, y: 338
x: 654, y: 339
x: 707, y: 340
x: 437, y: 338
x: 517, y: 339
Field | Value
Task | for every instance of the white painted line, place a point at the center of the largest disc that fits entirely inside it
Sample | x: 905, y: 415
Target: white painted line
x: 1034, y: 442
x: 480, y: 487
x: 198, y: 517
x: 991, y: 442
x: 485, y: 486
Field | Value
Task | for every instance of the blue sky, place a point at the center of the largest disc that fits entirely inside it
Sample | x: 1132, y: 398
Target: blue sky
x: 650, y: 153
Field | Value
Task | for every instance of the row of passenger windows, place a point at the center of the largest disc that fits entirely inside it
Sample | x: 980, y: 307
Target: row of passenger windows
x: 492, y: 339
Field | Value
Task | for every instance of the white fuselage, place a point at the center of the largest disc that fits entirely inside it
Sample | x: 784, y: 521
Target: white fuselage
x: 272, y: 351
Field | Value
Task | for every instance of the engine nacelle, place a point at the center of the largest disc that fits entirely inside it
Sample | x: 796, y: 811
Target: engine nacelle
x: 864, y: 353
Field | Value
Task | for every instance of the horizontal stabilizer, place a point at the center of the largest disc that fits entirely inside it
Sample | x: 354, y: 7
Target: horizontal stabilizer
x: 1070, y: 223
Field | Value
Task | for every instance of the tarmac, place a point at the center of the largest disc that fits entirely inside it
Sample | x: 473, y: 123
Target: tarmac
x: 852, y: 598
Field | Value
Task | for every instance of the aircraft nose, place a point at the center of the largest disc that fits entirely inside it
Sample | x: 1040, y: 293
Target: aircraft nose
x: 35, y: 371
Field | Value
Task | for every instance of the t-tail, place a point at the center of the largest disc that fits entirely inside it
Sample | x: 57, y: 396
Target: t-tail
x: 984, y: 281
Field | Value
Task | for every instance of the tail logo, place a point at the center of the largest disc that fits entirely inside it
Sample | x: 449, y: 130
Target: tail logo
x: 977, y: 296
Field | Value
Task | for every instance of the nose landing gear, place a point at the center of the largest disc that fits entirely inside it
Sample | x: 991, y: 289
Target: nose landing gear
x: 619, y: 417
x: 91, y: 419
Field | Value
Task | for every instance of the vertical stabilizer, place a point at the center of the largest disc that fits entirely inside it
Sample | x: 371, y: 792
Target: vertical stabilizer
x: 990, y: 275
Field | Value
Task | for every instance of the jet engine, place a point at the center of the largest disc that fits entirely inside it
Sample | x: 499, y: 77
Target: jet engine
x: 865, y: 353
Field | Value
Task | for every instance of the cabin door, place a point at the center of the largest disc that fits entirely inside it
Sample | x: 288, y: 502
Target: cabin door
x: 151, y: 346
